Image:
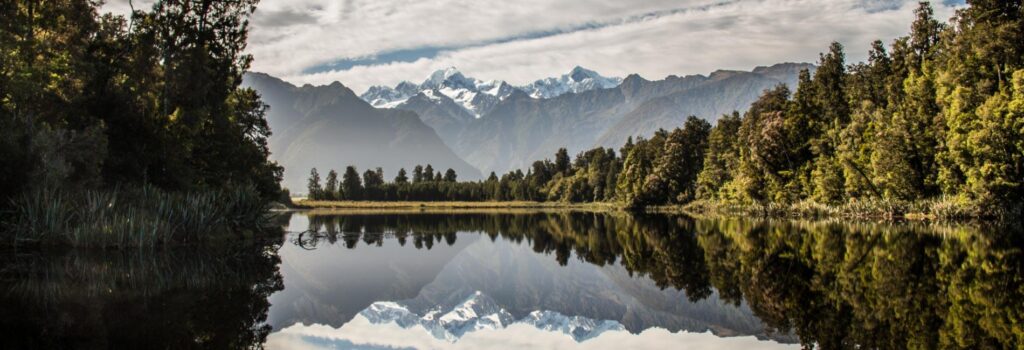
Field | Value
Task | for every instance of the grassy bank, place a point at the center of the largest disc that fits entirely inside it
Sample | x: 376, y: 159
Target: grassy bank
x: 412, y: 205
x: 131, y: 217
x: 933, y: 209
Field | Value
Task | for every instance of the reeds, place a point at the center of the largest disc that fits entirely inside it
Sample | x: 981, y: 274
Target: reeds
x: 130, y: 217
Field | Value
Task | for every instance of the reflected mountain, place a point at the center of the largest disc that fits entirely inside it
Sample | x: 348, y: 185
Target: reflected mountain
x: 823, y: 284
x: 328, y: 280
x: 577, y: 265
x: 479, y: 312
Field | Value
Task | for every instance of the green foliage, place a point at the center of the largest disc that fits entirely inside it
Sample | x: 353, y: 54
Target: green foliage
x: 401, y: 178
x: 314, y: 188
x: 938, y: 117
x: 331, y: 188
x: 721, y: 159
x: 351, y: 185
x: 91, y: 102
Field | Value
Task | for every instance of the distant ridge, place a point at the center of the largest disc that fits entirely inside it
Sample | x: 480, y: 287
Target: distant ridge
x: 330, y: 127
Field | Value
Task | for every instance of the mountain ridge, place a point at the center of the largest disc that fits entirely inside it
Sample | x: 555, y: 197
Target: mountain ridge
x: 493, y: 126
x: 330, y: 127
x: 480, y: 312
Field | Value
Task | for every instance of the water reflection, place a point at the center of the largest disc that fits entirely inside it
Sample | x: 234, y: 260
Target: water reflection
x: 533, y: 279
x: 826, y: 284
x: 874, y: 286
x: 639, y: 272
x: 181, y: 299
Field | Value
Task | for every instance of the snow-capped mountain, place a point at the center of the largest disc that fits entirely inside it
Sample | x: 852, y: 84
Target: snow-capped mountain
x: 386, y: 97
x: 478, y: 97
x: 479, y: 312
x: 475, y: 96
x: 578, y: 80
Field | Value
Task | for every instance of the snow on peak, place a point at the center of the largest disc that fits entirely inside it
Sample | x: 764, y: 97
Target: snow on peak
x: 580, y: 328
x: 478, y: 97
x: 578, y: 80
x: 480, y: 312
x: 447, y: 77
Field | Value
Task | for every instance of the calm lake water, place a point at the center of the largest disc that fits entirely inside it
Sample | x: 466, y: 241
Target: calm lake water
x: 533, y: 280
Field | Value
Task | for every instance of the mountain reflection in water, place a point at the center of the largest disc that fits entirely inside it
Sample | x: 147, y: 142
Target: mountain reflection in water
x: 550, y: 279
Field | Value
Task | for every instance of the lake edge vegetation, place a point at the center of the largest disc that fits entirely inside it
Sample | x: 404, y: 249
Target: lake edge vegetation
x: 120, y: 131
x: 930, y: 127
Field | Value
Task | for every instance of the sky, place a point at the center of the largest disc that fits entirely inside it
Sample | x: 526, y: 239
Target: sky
x: 362, y: 43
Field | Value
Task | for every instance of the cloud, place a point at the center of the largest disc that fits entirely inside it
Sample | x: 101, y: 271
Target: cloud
x: 739, y: 35
x: 361, y: 333
x: 373, y: 42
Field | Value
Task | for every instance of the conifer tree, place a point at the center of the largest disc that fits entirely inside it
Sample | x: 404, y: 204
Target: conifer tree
x: 428, y: 173
x: 351, y: 185
x: 313, y: 187
x: 331, y: 187
x: 401, y: 178
x: 417, y: 174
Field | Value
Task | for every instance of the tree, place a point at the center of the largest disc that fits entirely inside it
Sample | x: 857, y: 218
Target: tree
x: 562, y: 161
x: 766, y: 167
x: 417, y: 174
x: 428, y: 173
x: 401, y: 178
x: 681, y: 159
x: 331, y: 187
x: 313, y: 189
x: 721, y: 159
x: 350, y: 185
x: 181, y: 123
x: 450, y: 176
x: 636, y: 168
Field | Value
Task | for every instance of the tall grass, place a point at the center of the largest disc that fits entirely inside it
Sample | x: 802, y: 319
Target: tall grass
x: 131, y: 217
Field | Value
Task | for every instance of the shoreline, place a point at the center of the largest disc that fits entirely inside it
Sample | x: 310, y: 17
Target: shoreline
x: 420, y: 205
x: 922, y: 211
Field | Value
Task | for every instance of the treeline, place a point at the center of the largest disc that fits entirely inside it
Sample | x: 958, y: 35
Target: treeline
x: 92, y: 102
x: 936, y: 116
x: 590, y: 178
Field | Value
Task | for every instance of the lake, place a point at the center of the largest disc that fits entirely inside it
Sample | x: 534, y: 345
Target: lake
x: 530, y: 279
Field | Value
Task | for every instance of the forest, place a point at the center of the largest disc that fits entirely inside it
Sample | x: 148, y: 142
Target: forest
x: 131, y: 128
x: 933, y: 122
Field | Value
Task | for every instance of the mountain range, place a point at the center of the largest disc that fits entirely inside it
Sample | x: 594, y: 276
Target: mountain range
x: 478, y: 97
x: 330, y: 127
x: 473, y: 126
x: 579, y: 110
x: 480, y: 312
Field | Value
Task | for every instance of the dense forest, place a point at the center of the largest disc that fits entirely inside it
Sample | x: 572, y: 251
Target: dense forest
x: 937, y: 117
x: 107, y: 118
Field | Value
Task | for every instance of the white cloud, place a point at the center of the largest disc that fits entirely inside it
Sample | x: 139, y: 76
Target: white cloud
x: 361, y: 333
x: 291, y: 36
